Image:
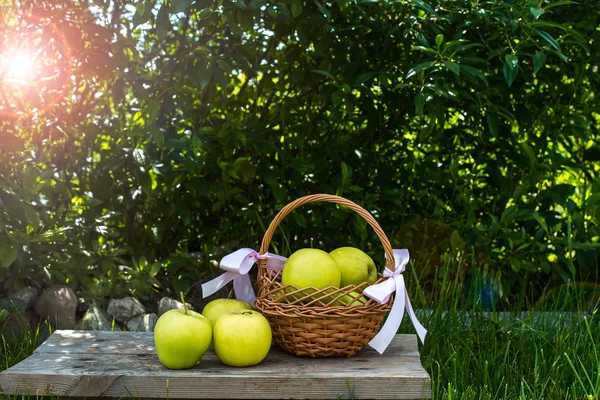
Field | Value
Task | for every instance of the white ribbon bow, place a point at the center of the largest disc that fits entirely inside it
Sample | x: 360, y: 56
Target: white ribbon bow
x: 381, y: 293
x: 237, y: 265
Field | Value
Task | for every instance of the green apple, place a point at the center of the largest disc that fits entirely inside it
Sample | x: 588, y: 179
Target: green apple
x: 218, y: 307
x: 181, y: 337
x: 354, y: 299
x: 311, y: 268
x: 355, y: 265
x: 242, y: 338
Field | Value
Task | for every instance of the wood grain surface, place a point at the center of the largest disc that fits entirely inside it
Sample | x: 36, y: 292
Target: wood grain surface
x: 95, y: 364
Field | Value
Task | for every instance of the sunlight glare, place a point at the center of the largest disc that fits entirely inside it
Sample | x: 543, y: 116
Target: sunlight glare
x: 20, y: 67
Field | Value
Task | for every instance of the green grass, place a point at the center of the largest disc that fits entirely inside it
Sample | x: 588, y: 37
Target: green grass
x: 15, y: 347
x: 485, y: 358
x: 519, y: 357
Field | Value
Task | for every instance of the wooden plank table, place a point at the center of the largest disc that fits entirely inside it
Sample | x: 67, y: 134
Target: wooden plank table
x: 92, y: 364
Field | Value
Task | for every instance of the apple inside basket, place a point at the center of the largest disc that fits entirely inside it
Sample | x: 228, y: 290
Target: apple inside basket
x: 319, y: 321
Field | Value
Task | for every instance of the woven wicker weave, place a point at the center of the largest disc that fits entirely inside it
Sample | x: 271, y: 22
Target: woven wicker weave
x: 313, y: 322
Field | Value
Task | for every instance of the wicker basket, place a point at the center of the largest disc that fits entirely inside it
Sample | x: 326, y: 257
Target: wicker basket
x: 313, y: 322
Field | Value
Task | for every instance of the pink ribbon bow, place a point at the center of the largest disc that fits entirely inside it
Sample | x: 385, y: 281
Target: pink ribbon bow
x: 236, y: 266
x: 381, y: 293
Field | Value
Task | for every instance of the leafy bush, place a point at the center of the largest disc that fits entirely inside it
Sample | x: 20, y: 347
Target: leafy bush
x: 189, y: 124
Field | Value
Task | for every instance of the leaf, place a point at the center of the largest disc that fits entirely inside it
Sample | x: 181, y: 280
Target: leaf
x: 515, y: 264
x: 324, y: 73
x: 139, y: 157
x: 452, y: 66
x: 421, y: 67
x: 419, y: 103
x: 560, y: 192
x: 155, y: 269
x: 424, y: 6
x: 548, y: 38
x: 538, y: 61
x: 279, y: 192
x: 512, y: 60
x: 541, y: 220
x: 20, y: 209
x: 246, y: 22
x: 560, y: 3
x: 497, y: 52
x: 156, y: 234
x: 511, y: 68
x: 427, y: 50
x: 439, y: 40
x: 469, y: 46
x: 8, y: 255
x: 157, y: 136
x: 337, y: 98
x: 553, y: 25
x: 492, y: 124
x: 300, y: 220
x: 296, y: 10
x: 53, y: 235
x: 140, y: 8
x: 257, y: 4
x: 178, y: 6
x: 474, y: 72
x: 362, y: 78
x: 508, y: 215
x: 29, y: 181
x: 322, y: 9
x: 163, y: 24
x: 537, y: 12
x: 454, y: 169
x: 346, y: 172
x: 531, y: 154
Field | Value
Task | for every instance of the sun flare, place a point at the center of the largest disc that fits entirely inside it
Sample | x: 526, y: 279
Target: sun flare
x: 19, y: 67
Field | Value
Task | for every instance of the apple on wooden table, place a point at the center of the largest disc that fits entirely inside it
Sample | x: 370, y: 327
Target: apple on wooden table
x: 242, y: 338
x: 181, y: 337
x: 219, y: 307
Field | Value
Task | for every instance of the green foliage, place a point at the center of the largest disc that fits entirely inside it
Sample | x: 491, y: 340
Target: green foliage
x: 189, y: 124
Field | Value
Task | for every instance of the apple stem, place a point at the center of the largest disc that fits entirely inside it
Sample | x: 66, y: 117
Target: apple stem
x: 183, y: 301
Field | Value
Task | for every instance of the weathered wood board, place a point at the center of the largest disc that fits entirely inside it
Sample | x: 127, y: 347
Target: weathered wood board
x: 124, y: 364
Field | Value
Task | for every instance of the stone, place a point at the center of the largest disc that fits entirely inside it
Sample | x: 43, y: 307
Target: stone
x: 124, y: 309
x: 165, y: 304
x: 82, y: 307
x: 28, y: 295
x: 142, y: 323
x: 13, y: 306
x: 59, y: 304
x: 96, y: 319
x: 19, y: 324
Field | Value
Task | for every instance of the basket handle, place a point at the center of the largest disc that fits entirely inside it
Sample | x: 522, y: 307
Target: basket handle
x: 389, y: 254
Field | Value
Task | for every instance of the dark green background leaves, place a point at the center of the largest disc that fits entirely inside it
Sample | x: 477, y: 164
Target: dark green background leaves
x: 456, y: 123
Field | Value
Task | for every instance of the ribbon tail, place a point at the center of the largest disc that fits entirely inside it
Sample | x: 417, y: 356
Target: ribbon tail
x: 242, y: 286
x: 386, y: 334
x: 421, y: 331
x: 212, y: 286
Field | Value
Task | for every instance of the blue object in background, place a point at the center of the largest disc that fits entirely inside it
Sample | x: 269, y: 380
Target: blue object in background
x: 482, y: 290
